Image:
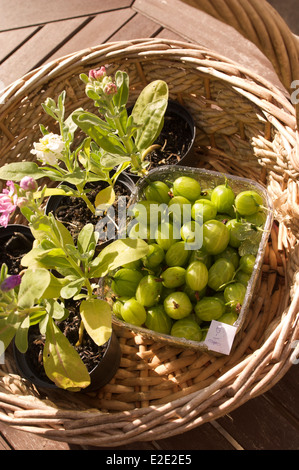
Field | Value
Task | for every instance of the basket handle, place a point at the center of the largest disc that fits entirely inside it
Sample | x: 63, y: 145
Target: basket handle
x: 261, y: 24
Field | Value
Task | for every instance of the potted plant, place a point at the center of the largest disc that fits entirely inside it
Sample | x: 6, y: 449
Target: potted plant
x: 155, y: 131
x: 113, y: 142
x: 78, y: 170
x: 175, y: 142
x: 57, y: 271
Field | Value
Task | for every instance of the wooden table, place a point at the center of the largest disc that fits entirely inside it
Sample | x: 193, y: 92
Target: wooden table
x: 34, y: 32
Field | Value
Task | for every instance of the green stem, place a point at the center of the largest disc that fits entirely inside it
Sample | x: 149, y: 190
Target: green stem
x: 85, y: 199
x: 127, y: 142
x: 88, y: 287
x: 149, y: 150
x: 81, y: 331
x: 88, y: 203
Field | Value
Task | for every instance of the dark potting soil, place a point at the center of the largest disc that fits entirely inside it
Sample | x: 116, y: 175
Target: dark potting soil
x: 12, y: 249
x: 74, y: 213
x: 88, y: 350
x: 175, y: 140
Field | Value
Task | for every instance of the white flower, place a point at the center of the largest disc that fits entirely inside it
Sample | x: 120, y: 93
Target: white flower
x: 49, y: 149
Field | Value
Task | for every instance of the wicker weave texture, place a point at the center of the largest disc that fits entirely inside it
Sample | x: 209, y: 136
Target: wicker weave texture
x: 246, y: 127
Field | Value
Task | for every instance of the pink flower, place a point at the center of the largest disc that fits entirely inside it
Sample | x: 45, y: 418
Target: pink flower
x: 28, y: 184
x: 110, y: 89
x: 8, y: 203
x: 97, y: 74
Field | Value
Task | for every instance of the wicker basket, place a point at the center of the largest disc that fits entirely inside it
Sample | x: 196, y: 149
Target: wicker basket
x: 245, y: 126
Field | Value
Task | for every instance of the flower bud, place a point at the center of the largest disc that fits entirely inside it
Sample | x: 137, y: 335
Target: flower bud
x: 97, y: 74
x: 10, y: 282
x: 22, y: 202
x: 110, y: 89
x: 28, y: 183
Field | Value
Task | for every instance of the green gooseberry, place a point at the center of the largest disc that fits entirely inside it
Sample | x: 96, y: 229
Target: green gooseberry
x: 147, y: 212
x: 223, y: 198
x: 247, y: 263
x: 177, y: 254
x: 125, y: 281
x: 209, y: 308
x: 178, y: 207
x: 158, y: 320
x: 187, y: 187
x: 148, y: 291
x: 229, y: 317
x: 203, y: 210
x: 215, y: 236
x: 197, y: 276
x: 177, y: 305
x: 140, y: 231
x: 157, y: 191
x: 165, y: 236
x: 154, y: 257
x: 220, y: 273
x: 234, y: 294
x: 190, y: 231
x: 242, y: 277
x: 248, y: 202
x: 186, y: 328
x: 133, y: 312
x: 173, y: 277
x: 116, y: 309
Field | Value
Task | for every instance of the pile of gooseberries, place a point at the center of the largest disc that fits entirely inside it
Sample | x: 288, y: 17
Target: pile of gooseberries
x: 177, y: 291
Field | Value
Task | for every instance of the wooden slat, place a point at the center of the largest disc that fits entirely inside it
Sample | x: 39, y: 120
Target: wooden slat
x: 20, y: 13
x: 284, y: 396
x: 166, y: 33
x: 201, y: 438
x: 12, y: 40
x: 261, y: 425
x: 138, y: 27
x: 20, y: 440
x: 3, y: 444
x: 39, y: 46
x: 198, y: 27
x: 97, y: 31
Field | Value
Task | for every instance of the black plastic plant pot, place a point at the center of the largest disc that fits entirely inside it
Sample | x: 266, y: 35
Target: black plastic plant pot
x: 176, y: 139
x: 16, y: 240
x: 59, y: 205
x: 102, y: 373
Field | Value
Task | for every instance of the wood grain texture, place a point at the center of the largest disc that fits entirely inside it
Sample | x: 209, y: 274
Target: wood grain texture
x: 17, y: 13
x: 196, y: 26
x: 97, y: 31
x: 42, y: 43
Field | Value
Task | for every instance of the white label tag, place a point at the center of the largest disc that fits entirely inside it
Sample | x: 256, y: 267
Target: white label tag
x: 220, y: 337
